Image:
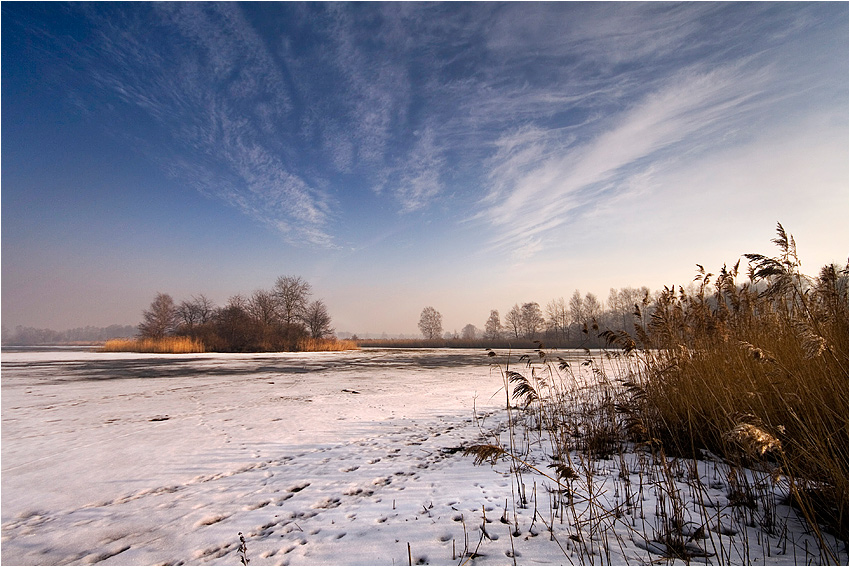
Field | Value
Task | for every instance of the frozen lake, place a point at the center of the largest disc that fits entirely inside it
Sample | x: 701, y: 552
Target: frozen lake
x: 325, y: 458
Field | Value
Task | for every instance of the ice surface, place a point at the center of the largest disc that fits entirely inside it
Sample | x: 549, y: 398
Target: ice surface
x: 315, y: 458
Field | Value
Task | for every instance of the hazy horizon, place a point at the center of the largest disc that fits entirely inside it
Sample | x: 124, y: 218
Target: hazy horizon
x: 465, y: 156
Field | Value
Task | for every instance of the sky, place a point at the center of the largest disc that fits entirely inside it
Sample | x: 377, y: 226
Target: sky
x: 465, y: 156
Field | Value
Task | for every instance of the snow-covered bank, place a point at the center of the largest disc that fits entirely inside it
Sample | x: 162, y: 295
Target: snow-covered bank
x: 315, y: 458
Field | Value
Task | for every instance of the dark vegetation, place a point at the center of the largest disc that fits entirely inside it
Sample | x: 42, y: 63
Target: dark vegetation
x: 280, y: 319
x: 480, y: 343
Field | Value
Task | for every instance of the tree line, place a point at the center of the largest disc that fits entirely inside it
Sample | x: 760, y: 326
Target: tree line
x: 560, y: 323
x: 30, y: 336
x: 266, y: 321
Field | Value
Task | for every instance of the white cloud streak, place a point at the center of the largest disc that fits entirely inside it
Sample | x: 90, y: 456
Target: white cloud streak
x: 540, y: 182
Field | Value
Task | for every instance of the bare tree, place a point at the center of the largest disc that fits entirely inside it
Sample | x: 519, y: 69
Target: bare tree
x: 532, y: 319
x: 160, y: 319
x: 263, y: 307
x: 493, y: 326
x: 292, y: 293
x: 204, y: 307
x: 237, y: 301
x: 469, y: 332
x: 195, y: 312
x: 431, y: 323
x: 318, y: 320
x: 187, y: 318
x: 513, y: 320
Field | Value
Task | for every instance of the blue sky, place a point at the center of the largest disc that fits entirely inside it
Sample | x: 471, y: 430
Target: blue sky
x: 467, y: 156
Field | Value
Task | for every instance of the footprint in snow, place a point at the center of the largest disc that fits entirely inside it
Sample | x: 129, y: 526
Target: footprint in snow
x: 257, y: 506
x: 326, y: 503
x: 210, y: 520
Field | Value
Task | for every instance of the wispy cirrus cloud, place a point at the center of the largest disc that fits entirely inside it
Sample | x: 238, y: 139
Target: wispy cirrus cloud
x: 598, y: 109
x: 204, y: 76
x: 541, y: 180
x: 541, y: 111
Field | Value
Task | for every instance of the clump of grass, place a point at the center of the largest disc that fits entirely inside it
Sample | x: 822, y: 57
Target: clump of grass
x: 164, y: 345
x: 243, y: 550
x: 323, y: 345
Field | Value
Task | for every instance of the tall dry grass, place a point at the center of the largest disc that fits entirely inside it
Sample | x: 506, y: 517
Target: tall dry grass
x: 756, y: 372
x: 753, y: 375
x: 185, y: 345
x: 164, y: 345
x: 308, y: 344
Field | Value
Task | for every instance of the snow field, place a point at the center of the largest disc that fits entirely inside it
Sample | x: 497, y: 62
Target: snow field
x: 337, y: 458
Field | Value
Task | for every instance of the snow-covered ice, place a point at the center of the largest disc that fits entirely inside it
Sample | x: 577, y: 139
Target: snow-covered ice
x: 314, y: 458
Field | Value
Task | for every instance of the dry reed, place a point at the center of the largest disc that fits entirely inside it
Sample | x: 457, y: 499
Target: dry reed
x: 324, y: 345
x: 164, y: 345
x: 756, y: 374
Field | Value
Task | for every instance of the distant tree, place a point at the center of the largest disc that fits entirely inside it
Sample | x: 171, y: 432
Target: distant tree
x: 592, y: 307
x: 431, y: 323
x: 318, y: 320
x: 493, y: 326
x: 469, y: 332
x: 532, y: 319
x: 513, y: 321
x: 622, y: 305
x: 160, y: 319
x: 558, y: 318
